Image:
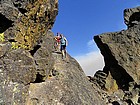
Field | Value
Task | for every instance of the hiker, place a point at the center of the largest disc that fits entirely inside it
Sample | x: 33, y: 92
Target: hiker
x: 64, y: 43
x: 57, y: 42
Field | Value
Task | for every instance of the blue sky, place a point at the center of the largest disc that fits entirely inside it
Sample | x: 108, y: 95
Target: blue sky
x: 80, y: 20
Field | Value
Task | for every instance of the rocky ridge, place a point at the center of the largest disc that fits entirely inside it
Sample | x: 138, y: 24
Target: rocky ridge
x: 120, y: 77
x: 31, y: 72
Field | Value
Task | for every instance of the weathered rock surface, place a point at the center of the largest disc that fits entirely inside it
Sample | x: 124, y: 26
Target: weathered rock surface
x: 66, y: 85
x: 25, y: 46
x: 31, y: 73
x: 24, y: 21
x: 132, y: 16
x: 121, y: 51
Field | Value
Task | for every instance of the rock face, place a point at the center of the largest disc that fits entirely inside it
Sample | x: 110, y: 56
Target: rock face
x: 24, y: 21
x: 121, y: 51
x: 66, y: 85
x: 31, y: 73
x: 132, y: 16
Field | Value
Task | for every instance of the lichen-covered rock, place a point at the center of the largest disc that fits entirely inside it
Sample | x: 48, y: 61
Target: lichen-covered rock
x: 20, y: 67
x: 31, y: 73
x: 24, y: 21
x: 26, y: 45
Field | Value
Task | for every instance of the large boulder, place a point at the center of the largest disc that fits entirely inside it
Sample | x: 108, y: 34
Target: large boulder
x: 24, y: 21
x: 26, y: 45
x: 121, y: 51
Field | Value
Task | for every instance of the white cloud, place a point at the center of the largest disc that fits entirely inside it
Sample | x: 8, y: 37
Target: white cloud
x: 92, y: 61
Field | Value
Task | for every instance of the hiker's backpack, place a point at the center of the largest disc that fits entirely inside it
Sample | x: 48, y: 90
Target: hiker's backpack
x: 63, y: 41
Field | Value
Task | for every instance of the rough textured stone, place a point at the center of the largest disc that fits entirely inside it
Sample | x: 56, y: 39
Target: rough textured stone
x: 69, y: 86
x: 100, y: 78
x: 24, y: 21
x: 132, y: 16
x: 121, y: 51
x: 19, y: 68
x: 26, y: 43
x: 31, y: 73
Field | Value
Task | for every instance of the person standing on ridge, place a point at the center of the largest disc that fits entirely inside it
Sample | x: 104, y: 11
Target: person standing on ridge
x: 57, y: 42
x: 64, y: 43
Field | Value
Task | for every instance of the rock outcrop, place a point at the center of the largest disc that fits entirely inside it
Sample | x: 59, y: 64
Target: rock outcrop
x: 66, y: 85
x: 31, y: 73
x: 132, y: 16
x: 121, y: 51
